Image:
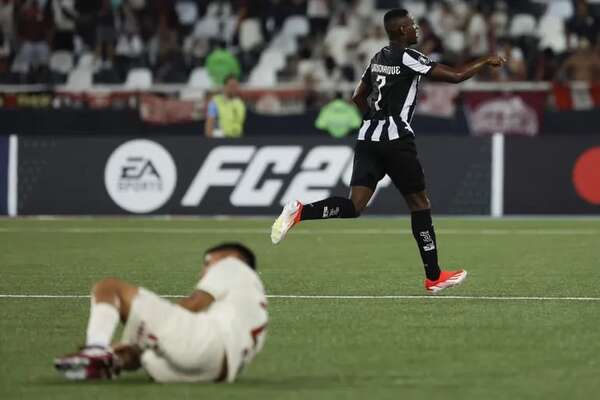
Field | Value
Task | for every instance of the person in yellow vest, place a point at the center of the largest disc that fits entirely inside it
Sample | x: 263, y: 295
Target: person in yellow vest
x: 226, y: 112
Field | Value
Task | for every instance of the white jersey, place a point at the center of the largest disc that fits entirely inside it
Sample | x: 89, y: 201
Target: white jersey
x: 240, y: 310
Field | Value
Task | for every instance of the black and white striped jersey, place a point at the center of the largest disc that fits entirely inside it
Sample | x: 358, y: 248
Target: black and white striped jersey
x: 393, y: 76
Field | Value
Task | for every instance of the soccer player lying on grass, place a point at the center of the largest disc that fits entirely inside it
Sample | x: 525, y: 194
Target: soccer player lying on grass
x: 387, y: 96
x: 206, y: 337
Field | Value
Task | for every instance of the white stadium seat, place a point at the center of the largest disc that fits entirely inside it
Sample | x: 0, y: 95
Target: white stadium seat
x: 551, y: 31
x: 286, y: 44
x: 207, y: 27
x: 86, y: 61
x: 139, y: 78
x: 250, y: 34
x: 417, y: 9
x: 296, y: 25
x: 262, y: 75
x: 187, y: 11
x: 454, y: 41
x: 79, y: 79
x: 522, y: 25
x: 200, y: 79
x: 275, y: 59
x: 61, y: 61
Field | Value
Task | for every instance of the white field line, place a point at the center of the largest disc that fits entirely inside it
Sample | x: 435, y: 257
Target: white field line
x: 301, y: 231
x: 333, y: 297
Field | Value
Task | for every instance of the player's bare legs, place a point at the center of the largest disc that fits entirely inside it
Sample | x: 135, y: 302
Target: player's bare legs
x: 424, y: 234
x: 332, y: 207
x: 115, y: 292
x: 111, y: 301
x: 360, y: 196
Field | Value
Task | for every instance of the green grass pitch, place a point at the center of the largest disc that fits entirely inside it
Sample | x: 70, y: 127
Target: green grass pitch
x: 376, y: 348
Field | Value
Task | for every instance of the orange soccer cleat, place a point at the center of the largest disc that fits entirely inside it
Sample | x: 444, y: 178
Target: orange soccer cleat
x: 289, y: 217
x: 447, y: 279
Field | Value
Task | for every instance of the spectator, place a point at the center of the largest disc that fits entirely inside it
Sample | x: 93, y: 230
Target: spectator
x: 64, y: 16
x: 130, y: 47
x: 4, y: 54
x: 87, y: 12
x: 106, y: 34
x: 338, y: 118
x: 318, y: 12
x: 444, y: 19
x: 582, y: 65
x: 33, y: 27
x: 477, y: 39
x: 375, y: 41
x: 429, y: 42
x: 514, y: 69
x: 545, y: 66
x: 226, y: 113
x: 220, y: 64
x: 338, y: 38
x: 582, y: 25
x: 7, y: 16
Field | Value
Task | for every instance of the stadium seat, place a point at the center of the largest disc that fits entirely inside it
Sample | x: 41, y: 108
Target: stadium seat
x: 61, y: 61
x: 200, y: 79
x: 417, y: 9
x: 250, y: 34
x: 79, y: 79
x: 285, y: 44
x: 560, y: 8
x: 454, y: 41
x: 207, y: 27
x: 262, y: 75
x: 296, y: 25
x: 139, y: 78
x: 86, y: 61
x: 522, y: 25
x: 551, y: 31
x: 275, y: 59
x: 187, y: 11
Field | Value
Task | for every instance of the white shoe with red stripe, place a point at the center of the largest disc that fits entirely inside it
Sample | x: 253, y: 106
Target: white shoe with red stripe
x: 89, y: 363
x: 289, y: 217
x: 446, y: 280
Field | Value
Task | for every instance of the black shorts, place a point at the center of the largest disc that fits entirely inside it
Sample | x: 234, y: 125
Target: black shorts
x: 396, y: 158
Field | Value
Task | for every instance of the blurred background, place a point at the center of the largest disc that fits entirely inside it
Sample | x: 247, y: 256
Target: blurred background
x: 284, y: 70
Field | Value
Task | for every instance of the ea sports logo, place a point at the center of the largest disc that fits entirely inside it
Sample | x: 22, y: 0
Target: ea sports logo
x: 140, y: 176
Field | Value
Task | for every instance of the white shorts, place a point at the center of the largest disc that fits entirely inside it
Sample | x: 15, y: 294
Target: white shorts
x: 178, y: 345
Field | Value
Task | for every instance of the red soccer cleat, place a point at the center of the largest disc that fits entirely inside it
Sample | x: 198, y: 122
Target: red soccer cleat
x: 89, y: 363
x: 447, y: 279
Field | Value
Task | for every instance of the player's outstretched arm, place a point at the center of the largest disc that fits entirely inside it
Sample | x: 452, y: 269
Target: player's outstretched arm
x: 445, y: 73
x: 199, y: 300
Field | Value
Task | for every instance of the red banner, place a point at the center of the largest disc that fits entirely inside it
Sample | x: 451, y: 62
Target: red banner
x: 516, y: 112
x: 577, y: 96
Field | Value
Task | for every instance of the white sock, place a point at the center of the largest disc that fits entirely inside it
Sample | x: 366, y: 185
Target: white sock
x: 103, y: 321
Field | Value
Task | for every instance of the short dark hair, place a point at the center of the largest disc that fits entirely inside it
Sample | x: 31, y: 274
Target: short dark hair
x: 391, y: 16
x: 244, y: 252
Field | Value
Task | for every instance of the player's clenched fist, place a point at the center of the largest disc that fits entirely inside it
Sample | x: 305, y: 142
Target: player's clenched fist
x: 495, y: 61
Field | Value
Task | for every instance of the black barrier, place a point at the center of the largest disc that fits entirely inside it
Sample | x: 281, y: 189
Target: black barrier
x: 185, y: 175
x: 556, y: 175
x: 3, y: 174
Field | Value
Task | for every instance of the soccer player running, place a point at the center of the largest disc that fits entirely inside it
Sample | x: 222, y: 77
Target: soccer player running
x: 386, y: 95
x: 206, y: 337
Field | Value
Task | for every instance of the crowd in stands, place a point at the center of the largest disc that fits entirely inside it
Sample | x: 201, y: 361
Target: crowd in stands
x: 269, y: 42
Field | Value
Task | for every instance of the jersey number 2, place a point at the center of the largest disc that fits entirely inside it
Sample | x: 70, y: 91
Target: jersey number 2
x: 380, y: 84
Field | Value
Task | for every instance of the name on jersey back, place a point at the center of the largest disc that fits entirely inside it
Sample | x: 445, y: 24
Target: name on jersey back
x: 386, y: 69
